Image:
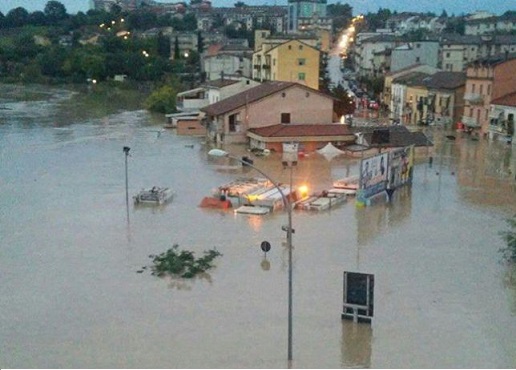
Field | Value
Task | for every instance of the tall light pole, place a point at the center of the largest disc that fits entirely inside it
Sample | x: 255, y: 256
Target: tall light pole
x: 126, y: 151
x: 288, y: 229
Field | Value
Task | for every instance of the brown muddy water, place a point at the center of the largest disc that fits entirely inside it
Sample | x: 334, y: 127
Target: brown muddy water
x: 70, y: 296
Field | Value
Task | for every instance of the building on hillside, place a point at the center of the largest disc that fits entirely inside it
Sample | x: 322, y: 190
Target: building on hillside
x: 505, y: 23
x: 488, y: 79
x: 106, y: 5
x: 419, y: 52
x: 293, y: 61
x: 305, y: 13
x: 458, y: 51
x: 502, y: 118
x: 406, y: 22
x: 364, y: 51
x: 271, y: 103
x: 227, y: 60
x: 252, y: 17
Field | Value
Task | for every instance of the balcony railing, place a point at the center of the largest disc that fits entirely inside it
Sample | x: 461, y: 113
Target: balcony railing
x: 474, y: 98
x: 470, y: 121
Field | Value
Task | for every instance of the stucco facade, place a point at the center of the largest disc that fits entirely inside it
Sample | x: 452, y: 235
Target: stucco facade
x: 293, y: 105
x: 292, y: 61
x: 487, y: 80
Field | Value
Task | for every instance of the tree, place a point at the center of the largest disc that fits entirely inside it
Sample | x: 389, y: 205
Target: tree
x: 162, y: 100
x: 17, y: 17
x: 341, y: 15
x: 455, y: 25
x: 163, y: 46
x: 240, y: 4
x: 176, y: 49
x: 55, y: 11
x: 37, y: 18
x: 200, y: 43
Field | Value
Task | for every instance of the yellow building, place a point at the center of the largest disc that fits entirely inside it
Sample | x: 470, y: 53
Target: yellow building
x: 292, y: 61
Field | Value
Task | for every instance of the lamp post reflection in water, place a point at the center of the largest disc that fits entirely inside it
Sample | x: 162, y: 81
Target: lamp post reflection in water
x: 288, y: 229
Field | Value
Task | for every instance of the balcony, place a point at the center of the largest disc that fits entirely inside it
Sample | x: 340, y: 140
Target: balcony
x: 474, y: 99
x: 470, y: 121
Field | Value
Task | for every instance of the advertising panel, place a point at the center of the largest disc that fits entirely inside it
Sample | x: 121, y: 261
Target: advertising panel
x: 373, y: 174
x: 400, y: 166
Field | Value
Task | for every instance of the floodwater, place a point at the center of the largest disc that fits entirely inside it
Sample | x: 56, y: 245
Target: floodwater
x: 70, y: 296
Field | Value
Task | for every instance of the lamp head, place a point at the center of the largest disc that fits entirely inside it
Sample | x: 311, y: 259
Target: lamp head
x: 126, y: 149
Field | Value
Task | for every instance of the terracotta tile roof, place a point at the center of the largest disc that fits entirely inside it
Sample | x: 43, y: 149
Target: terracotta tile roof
x: 507, y: 100
x: 302, y: 130
x: 213, y: 49
x: 249, y: 96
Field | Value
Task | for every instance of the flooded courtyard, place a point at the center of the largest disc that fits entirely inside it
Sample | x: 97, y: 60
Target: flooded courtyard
x: 69, y: 248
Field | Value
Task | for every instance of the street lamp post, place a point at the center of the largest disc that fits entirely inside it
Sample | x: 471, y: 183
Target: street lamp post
x: 126, y: 151
x: 288, y: 229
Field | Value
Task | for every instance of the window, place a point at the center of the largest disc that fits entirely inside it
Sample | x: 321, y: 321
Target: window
x: 417, y: 59
x: 473, y: 89
x: 300, y: 47
x: 481, y: 89
x: 489, y: 89
x: 301, y: 62
x: 234, y: 120
x: 290, y: 47
x: 285, y: 117
x: 447, y: 55
x: 301, y: 76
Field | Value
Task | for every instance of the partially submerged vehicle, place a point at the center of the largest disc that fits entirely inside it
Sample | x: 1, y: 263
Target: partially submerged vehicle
x: 155, y: 195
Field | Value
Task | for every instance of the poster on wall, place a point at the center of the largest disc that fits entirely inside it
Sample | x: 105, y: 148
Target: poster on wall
x: 401, y: 162
x: 373, y: 174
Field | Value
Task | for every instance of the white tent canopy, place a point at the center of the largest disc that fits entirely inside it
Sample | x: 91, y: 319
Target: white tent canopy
x: 330, y: 151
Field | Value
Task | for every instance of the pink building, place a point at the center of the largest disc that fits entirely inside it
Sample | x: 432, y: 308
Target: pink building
x: 486, y: 80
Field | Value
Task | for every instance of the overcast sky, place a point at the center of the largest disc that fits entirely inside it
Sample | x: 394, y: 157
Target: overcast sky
x: 456, y: 7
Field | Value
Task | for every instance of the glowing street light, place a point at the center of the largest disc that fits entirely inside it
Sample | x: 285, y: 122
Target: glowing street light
x: 287, y: 204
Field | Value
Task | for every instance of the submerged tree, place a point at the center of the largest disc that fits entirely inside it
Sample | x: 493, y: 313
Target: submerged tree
x: 181, y: 263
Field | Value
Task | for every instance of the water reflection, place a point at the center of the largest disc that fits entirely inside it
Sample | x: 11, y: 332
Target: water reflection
x: 375, y: 219
x: 356, y: 345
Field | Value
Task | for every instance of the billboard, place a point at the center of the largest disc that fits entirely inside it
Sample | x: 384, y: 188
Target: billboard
x: 401, y: 163
x: 358, y: 302
x: 373, y: 174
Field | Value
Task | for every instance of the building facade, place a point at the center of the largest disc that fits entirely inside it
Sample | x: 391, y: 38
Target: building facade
x: 487, y: 80
x: 293, y: 61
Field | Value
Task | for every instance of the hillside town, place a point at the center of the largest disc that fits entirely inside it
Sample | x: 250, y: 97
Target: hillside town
x: 428, y: 74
